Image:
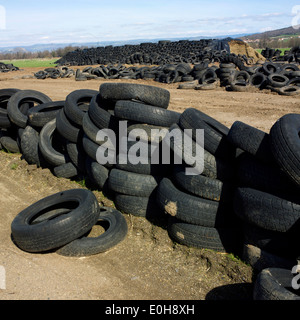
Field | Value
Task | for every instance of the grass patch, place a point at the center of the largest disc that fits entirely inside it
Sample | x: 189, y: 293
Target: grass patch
x: 32, y: 63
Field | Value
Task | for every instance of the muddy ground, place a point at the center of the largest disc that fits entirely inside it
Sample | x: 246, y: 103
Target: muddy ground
x: 147, y: 265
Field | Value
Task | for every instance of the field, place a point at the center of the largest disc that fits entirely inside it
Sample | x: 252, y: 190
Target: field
x: 32, y: 63
x: 147, y: 265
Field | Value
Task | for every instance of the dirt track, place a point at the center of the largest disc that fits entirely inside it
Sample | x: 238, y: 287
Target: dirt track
x: 146, y: 265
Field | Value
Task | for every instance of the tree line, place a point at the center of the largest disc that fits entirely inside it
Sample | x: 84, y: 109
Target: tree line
x: 275, y: 43
x: 21, y: 54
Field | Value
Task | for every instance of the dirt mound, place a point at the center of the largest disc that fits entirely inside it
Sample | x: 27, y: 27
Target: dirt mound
x: 241, y: 47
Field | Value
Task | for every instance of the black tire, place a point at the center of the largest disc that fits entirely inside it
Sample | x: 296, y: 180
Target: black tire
x: 221, y: 240
x: 239, y: 86
x: 274, y: 284
x: 52, y: 156
x: 44, y: 113
x: 270, y: 68
x: 98, y: 174
x: 288, y: 90
x: 190, y: 208
x: 77, y: 154
x: 133, y: 184
x: 138, y: 206
x: 258, y: 80
x: 126, y: 91
x: 285, y: 145
x: 201, y: 186
x: 5, y: 95
x: 91, y: 148
x: 143, y: 113
x: 10, y: 144
x: 67, y: 170
x: 251, y: 140
x: 114, y: 234
x: 30, y: 147
x: 101, y: 117
x: 16, y: 100
x: 81, y: 213
x: 255, y: 174
x: 77, y: 103
x: 91, y: 130
x: 211, y: 167
x: 260, y: 259
x: 68, y: 129
x: 215, y: 133
x: 277, y: 80
x: 267, y: 211
x: 278, y: 243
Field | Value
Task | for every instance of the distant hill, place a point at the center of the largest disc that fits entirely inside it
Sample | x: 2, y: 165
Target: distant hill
x: 54, y: 46
x: 290, y: 31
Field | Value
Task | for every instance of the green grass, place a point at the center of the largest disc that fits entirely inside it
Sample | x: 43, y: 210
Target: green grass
x: 32, y: 63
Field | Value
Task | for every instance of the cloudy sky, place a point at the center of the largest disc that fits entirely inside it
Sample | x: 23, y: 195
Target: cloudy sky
x: 26, y: 22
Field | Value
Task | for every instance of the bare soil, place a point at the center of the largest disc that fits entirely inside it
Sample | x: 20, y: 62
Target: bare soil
x: 147, y: 265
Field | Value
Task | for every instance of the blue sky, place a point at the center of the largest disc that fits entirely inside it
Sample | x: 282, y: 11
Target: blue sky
x: 35, y: 22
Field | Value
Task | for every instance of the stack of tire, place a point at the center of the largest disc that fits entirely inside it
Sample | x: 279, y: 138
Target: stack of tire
x: 143, y: 108
x: 200, y: 206
x: 226, y: 73
x: 15, y: 105
x: 267, y: 197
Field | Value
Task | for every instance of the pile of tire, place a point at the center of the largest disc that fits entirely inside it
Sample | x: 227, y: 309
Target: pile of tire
x: 55, y: 73
x: 281, y: 78
x: 292, y: 55
x: 245, y: 201
x: 267, y: 197
x: 7, y: 67
x: 163, y: 52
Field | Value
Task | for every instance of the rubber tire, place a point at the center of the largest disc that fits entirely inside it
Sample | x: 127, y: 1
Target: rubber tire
x: 72, y: 109
x: 13, y: 106
x: 221, y: 240
x: 52, y: 156
x: 87, y: 246
x: 68, y: 129
x: 133, y: 184
x: 285, y: 145
x: 67, y: 170
x: 126, y: 91
x: 201, y: 186
x: 215, y: 133
x: 252, y: 140
x: 30, y: 147
x: 143, y: 113
x: 57, y: 231
x: 267, y: 211
x: 191, y: 209
x: 98, y: 174
x: 274, y: 284
x: 40, y: 115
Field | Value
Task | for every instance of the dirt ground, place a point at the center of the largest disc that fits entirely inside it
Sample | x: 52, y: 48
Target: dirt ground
x: 147, y: 265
